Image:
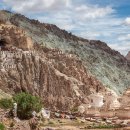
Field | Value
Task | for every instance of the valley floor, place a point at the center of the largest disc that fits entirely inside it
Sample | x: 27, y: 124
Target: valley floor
x: 66, y: 124
x: 56, y: 124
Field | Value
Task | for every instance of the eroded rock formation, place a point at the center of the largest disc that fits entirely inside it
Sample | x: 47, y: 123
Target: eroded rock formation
x: 107, y: 65
x: 13, y: 36
x: 60, y: 79
x: 61, y: 68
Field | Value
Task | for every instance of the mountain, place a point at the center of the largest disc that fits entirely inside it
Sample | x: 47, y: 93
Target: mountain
x: 61, y: 68
x: 128, y: 56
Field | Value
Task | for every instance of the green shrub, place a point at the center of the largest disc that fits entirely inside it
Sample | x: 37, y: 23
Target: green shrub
x: 2, y: 127
x: 27, y: 104
x: 6, y: 103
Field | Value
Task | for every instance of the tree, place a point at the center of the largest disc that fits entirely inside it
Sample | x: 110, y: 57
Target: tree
x: 27, y: 104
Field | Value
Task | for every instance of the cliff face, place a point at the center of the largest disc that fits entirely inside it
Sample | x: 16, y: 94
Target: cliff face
x: 59, y: 78
x: 125, y: 100
x: 128, y: 56
x: 12, y: 36
x: 107, y: 65
x: 59, y: 67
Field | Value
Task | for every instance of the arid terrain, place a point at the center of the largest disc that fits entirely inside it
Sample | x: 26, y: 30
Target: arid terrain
x: 64, y: 70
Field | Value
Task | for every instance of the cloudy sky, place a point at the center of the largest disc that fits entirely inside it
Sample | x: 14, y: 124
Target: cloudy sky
x: 106, y: 20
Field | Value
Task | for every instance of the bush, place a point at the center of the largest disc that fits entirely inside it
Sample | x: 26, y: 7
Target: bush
x: 6, y: 103
x: 2, y: 127
x: 27, y: 104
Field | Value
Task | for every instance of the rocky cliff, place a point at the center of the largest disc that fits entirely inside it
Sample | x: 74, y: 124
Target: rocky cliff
x: 59, y: 78
x: 61, y: 68
x: 107, y: 65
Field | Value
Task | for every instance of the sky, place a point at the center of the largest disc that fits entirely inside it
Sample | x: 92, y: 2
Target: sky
x: 105, y: 20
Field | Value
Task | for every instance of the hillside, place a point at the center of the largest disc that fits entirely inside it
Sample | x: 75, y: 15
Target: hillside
x: 59, y: 78
x: 99, y: 60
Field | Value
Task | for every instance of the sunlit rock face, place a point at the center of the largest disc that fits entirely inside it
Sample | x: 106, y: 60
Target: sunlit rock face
x: 125, y: 100
x: 107, y: 65
x: 61, y: 70
x: 96, y: 100
x: 124, y: 110
x: 111, y: 100
x: 115, y: 105
x: 60, y: 79
x: 81, y: 109
x: 12, y: 36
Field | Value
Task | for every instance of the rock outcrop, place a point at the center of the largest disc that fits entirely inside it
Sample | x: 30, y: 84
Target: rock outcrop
x: 107, y: 65
x: 124, y: 99
x: 61, y: 68
x: 111, y: 101
x: 13, y: 36
x: 59, y: 78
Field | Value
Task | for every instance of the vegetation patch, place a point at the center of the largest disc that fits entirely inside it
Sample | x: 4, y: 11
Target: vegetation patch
x: 6, y: 103
x: 2, y: 127
x: 27, y: 104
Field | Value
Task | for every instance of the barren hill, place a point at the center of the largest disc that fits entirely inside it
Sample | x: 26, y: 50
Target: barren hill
x: 59, y: 66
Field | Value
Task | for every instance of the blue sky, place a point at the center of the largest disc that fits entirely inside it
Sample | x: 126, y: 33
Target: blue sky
x: 106, y: 20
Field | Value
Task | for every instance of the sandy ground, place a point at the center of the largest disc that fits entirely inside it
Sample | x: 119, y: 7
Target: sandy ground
x: 63, y: 124
x: 76, y: 128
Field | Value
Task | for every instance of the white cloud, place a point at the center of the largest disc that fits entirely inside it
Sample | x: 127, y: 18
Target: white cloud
x: 89, y: 35
x: 124, y: 38
x: 92, y: 12
x: 80, y: 11
x: 127, y: 21
x: 123, y: 47
x: 23, y: 6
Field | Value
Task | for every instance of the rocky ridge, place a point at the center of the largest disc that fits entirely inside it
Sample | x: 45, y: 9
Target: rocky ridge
x: 107, y: 65
x: 59, y: 78
x: 61, y: 68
